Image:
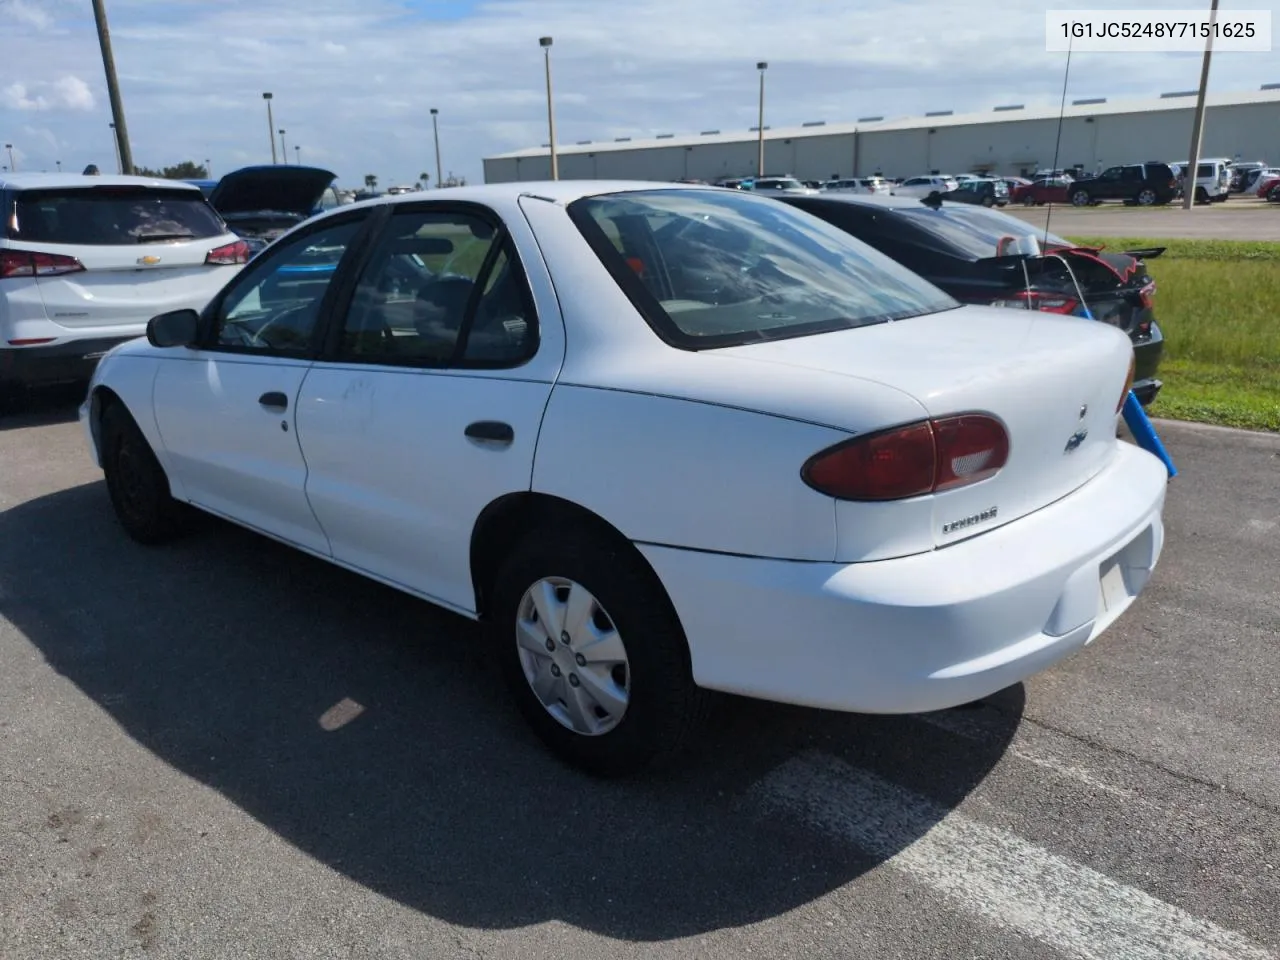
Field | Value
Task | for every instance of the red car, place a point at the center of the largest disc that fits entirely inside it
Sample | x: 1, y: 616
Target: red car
x: 1043, y: 191
x: 1269, y: 187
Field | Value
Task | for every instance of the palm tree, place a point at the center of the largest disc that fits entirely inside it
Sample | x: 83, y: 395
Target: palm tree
x: 424, y: 179
x: 370, y: 181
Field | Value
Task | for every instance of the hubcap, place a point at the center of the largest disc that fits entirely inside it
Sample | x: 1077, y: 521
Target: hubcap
x: 584, y: 680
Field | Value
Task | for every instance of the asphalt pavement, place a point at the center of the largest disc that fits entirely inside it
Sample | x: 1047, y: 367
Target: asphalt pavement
x: 1239, y: 218
x: 226, y: 749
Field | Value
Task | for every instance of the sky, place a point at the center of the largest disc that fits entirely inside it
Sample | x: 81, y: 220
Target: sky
x: 354, y: 80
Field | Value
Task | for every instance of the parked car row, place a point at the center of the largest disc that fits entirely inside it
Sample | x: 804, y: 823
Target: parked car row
x: 666, y: 439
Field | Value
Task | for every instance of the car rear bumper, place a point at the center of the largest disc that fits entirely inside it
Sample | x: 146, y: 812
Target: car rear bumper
x: 68, y: 361
x: 929, y: 631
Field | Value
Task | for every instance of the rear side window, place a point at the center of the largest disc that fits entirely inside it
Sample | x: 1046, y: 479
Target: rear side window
x: 976, y: 234
x: 721, y: 269
x: 112, y: 216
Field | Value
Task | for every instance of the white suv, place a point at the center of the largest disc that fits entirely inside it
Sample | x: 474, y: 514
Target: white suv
x: 86, y: 261
x: 923, y: 186
x: 868, y: 185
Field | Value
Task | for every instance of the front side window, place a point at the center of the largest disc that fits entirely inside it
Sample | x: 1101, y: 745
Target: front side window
x: 711, y: 269
x: 442, y: 287
x: 1111, y: 173
x: 275, y: 304
x: 113, y: 216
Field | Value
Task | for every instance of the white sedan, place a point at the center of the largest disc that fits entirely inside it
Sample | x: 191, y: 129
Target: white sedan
x: 661, y: 440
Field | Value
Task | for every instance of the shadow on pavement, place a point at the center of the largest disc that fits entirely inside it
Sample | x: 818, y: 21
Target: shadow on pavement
x: 237, y: 661
x: 41, y: 407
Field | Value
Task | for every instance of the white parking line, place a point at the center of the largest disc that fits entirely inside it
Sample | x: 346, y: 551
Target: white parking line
x: 991, y: 872
x: 962, y: 726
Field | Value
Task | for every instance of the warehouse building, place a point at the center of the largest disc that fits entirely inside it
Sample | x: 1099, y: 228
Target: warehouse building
x: 1010, y: 139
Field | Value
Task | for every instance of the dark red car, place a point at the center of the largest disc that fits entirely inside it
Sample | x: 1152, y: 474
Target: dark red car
x: 1043, y: 191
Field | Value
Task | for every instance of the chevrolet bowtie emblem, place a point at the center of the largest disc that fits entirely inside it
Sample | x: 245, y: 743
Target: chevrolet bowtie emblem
x: 148, y: 261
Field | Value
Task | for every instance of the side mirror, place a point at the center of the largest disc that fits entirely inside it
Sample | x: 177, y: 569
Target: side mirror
x: 177, y: 328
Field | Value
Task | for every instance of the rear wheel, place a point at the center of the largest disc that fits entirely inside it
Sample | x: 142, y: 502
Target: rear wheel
x: 988, y: 202
x: 1080, y: 198
x: 136, y: 482
x: 593, y: 652
x: 1146, y: 198
x: 1202, y: 195
x: 1028, y: 201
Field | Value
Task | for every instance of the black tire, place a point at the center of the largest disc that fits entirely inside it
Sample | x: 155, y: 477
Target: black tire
x: 988, y: 202
x: 665, y: 708
x: 1202, y: 195
x: 1080, y: 198
x: 136, y: 482
x: 1028, y: 201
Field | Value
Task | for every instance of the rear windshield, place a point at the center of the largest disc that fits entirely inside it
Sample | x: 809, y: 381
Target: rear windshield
x: 112, y: 216
x: 712, y: 269
x: 980, y: 233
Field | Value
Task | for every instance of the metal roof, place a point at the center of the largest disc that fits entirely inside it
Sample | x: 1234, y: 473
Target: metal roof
x: 1088, y: 109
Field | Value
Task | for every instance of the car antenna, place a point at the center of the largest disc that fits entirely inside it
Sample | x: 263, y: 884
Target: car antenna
x: 1053, y: 169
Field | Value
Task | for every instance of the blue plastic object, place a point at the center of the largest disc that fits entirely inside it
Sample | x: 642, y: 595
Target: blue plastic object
x: 1144, y: 433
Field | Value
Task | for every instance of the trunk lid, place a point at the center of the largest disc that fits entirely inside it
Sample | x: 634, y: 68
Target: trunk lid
x: 1054, y: 382
x: 142, y: 245
x: 284, y: 189
x: 121, y: 285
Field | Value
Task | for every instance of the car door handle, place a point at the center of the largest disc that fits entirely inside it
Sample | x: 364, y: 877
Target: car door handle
x: 274, y: 400
x: 494, y: 431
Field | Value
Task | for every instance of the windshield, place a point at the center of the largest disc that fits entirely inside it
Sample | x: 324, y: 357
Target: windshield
x: 711, y: 269
x: 982, y: 233
x: 113, y: 216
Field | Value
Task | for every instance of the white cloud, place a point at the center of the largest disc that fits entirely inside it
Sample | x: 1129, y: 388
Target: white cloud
x: 19, y: 11
x: 65, y: 93
x: 192, y: 78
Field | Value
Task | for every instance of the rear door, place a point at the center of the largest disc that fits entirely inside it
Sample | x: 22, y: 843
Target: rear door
x: 144, y: 250
x: 227, y: 411
x: 426, y: 406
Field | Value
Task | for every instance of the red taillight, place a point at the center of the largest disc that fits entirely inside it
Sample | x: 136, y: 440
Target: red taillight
x: 1035, y: 300
x: 1147, y: 294
x: 911, y: 461
x: 970, y: 448
x: 228, y: 255
x: 31, y: 341
x: 26, y: 263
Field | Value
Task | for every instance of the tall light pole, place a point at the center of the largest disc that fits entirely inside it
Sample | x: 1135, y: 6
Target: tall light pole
x: 59, y: 163
x: 297, y: 155
x: 208, y: 168
x: 284, y: 151
x: 545, y: 42
x: 113, y: 89
x: 271, y: 127
x: 762, y: 66
x: 1197, y: 124
x: 12, y: 166
x: 116, y: 143
x: 435, y: 128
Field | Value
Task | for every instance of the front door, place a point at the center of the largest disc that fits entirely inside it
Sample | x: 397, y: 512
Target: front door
x: 226, y: 412
x: 427, y: 405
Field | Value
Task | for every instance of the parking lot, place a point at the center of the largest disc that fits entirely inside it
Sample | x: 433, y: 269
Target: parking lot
x: 225, y: 748
x: 1240, y: 218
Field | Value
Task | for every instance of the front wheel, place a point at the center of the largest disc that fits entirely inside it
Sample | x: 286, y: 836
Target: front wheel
x: 1028, y: 201
x: 1080, y: 198
x: 593, y: 653
x: 136, y: 482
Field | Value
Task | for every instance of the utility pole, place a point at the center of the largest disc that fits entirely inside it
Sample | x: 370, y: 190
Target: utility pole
x: 435, y: 127
x: 284, y: 150
x: 271, y: 127
x: 13, y: 167
x: 762, y: 67
x: 113, y: 88
x: 115, y: 142
x: 1197, y: 125
x: 545, y: 43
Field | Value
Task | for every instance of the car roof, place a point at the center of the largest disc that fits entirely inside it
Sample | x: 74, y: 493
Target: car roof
x: 561, y: 192
x: 52, y: 181
x: 867, y: 200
